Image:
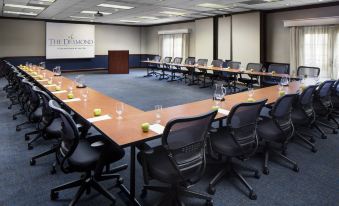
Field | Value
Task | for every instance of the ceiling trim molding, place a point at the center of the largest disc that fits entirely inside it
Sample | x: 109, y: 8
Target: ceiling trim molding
x: 312, y: 6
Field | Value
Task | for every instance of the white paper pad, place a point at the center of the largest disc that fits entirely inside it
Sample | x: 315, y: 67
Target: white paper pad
x: 99, y: 118
x: 50, y: 85
x: 34, y: 76
x: 223, y: 111
x: 59, y: 92
x: 157, y: 128
x: 72, y: 100
x: 42, y: 80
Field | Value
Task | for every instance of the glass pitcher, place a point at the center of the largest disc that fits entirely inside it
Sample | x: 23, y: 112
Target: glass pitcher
x: 219, y: 92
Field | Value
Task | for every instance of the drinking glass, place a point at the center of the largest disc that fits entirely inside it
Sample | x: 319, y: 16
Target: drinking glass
x: 263, y: 69
x: 158, y: 109
x: 250, y: 92
x: 219, y: 93
x: 281, y: 87
x: 119, y: 109
x: 42, y: 65
x: 50, y: 81
x: 44, y: 75
x: 60, y: 83
x: 84, y: 94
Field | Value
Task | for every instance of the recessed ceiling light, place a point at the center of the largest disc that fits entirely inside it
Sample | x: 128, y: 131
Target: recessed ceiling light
x: 148, y: 17
x: 24, y: 6
x: 129, y: 21
x: 81, y: 17
x: 94, y: 12
x: 48, y: 0
x: 115, y: 6
x: 21, y: 13
x: 174, y: 13
x: 212, y: 6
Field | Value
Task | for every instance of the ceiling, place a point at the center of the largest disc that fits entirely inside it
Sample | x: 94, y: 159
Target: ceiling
x: 144, y: 12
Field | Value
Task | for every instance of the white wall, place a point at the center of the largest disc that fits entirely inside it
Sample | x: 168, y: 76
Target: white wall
x: 246, y: 38
x: 204, y: 39
x: 278, y: 37
x: 224, y: 38
x: 27, y: 38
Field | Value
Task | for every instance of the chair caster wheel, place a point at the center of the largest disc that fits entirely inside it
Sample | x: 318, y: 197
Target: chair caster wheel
x: 209, y: 203
x: 296, y: 168
x: 266, y: 171
x: 323, y: 136
x: 335, y: 131
x: 252, y: 196
x: 18, y: 129
x: 257, y: 175
x: 32, y: 162
x: 26, y: 137
x: 314, y: 150
x: 143, y: 193
x: 53, y: 171
x: 29, y: 147
x: 54, y: 195
x: 211, y: 190
x: 120, y: 181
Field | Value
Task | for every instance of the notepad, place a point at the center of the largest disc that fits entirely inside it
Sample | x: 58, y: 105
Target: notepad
x: 72, y: 100
x: 59, y: 92
x: 223, y: 111
x: 50, y: 85
x: 157, y: 128
x: 42, y: 80
x: 99, y: 118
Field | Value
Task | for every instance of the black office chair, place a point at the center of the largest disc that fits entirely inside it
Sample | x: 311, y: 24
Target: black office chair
x: 238, y: 140
x: 323, y: 108
x: 85, y: 155
x: 253, y: 79
x: 151, y: 68
x: 231, y: 78
x: 278, y: 129
x: 305, y: 71
x: 335, y: 98
x: 180, y: 160
x: 175, y: 69
x: 200, y: 72
x: 279, y: 69
x: 303, y: 115
x: 186, y: 71
x: 164, y: 67
x: 212, y: 75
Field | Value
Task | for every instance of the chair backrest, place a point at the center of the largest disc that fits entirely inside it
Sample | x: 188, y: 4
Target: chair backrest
x: 234, y: 65
x: 184, y: 140
x: 157, y: 58
x: 70, y: 134
x: 33, y: 97
x: 177, y: 60
x: 47, y: 113
x: 167, y: 59
x: 323, y: 95
x: 242, y: 122
x: 308, y: 71
x: 202, y: 62
x: 217, y: 62
x: 190, y: 60
x: 305, y: 101
x: 255, y: 66
x: 281, y: 114
x: 279, y: 68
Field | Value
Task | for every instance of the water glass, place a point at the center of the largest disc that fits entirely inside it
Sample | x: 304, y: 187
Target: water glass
x: 158, y: 109
x: 84, y: 94
x: 250, y: 92
x: 119, y: 109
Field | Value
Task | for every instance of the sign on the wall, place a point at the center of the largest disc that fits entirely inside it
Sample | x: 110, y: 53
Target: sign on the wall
x: 69, y: 41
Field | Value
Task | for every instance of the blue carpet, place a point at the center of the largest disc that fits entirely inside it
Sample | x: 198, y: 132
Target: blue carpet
x: 316, y: 184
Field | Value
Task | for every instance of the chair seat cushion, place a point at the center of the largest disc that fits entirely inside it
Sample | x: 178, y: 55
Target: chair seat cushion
x: 299, y: 117
x: 53, y: 131
x: 37, y: 114
x: 85, y: 157
x: 223, y: 143
x: 160, y: 167
x: 269, y: 131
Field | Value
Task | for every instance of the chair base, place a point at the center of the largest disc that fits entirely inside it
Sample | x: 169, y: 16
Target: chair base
x: 308, y: 142
x: 231, y: 169
x: 87, y: 182
x: 269, y: 151
x: 173, y: 195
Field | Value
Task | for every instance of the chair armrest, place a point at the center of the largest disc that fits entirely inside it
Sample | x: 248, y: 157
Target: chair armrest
x: 97, y: 144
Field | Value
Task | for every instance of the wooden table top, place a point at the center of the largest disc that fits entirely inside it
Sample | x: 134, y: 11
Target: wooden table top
x: 128, y: 130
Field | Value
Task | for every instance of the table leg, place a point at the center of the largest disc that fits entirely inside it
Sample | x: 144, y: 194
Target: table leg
x: 132, y: 177
x: 192, y: 80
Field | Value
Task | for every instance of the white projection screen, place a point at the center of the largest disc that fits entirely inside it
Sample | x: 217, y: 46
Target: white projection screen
x: 69, y: 41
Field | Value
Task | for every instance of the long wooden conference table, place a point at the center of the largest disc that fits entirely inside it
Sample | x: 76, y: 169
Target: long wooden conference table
x: 127, y: 132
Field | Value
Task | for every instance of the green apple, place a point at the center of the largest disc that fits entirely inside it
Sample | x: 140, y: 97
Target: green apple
x: 97, y: 112
x: 49, y: 82
x: 34, y: 73
x: 250, y: 100
x: 70, y: 95
x: 252, y: 70
x: 282, y: 93
x: 40, y: 77
x: 145, y: 127
x: 57, y: 88
x: 273, y: 72
x: 214, y: 108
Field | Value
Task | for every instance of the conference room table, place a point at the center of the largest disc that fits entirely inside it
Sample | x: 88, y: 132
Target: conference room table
x: 127, y: 132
